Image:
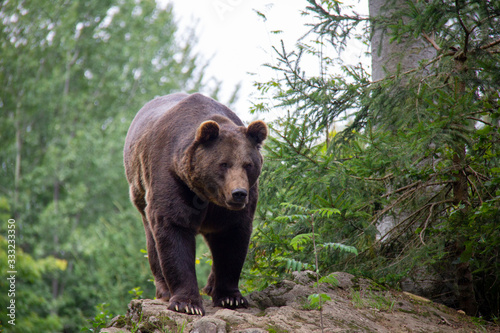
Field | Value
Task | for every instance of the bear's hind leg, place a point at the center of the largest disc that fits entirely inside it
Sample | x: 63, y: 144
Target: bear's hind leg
x: 162, y: 291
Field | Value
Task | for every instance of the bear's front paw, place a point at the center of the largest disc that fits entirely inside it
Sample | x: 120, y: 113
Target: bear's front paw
x: 231, y: 302
x: 187, y: 307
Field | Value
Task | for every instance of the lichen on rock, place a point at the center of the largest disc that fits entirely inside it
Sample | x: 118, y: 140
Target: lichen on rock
x: 356, y: 305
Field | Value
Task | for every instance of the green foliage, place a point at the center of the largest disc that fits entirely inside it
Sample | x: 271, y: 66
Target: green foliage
x: 74, y: 76
x: 304, y: 251
x: 294, y: 265
x: 136, y: 292
x: 100, y: 320
x: 345, y: 248
x: 418, y: 152
x: 315, y: 300
x: 30, y: 276
x: 299, y: 240
x: 372, y: 300
x: 330, y: 279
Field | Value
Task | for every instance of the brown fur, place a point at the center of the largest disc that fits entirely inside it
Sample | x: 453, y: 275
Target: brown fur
x: 192, y: 168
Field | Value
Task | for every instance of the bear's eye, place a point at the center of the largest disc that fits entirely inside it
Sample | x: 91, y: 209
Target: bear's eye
x: 247, y: 166
x: 224, y: 166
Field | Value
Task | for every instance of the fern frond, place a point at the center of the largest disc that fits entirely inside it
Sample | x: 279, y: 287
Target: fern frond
x: 290, y: 218
x: 301, y: 239
x: 295, y: 265
x: 339, y: 246
x: 328, y: 212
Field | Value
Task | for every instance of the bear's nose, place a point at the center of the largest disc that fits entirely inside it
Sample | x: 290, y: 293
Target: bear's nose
x: 239, y: 195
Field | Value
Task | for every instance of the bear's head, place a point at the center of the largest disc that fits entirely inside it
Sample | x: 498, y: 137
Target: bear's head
x: 225, y: 162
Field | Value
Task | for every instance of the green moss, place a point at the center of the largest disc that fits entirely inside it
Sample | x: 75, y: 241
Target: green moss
x: 275, y: 329
x: 120, y: 322
x: 167, y: 323
x: 261, y: 314
x: 367, y: 284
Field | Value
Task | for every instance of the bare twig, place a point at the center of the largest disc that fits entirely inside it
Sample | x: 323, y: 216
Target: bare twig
x: 480, y: 120
x: 392, y: 205
x: 402, y: 188
x: 404, y: 221
x: 426, y: 223
x: 432, y: 41
x: 408, y: 218
x: 443, y: 182
x: 478, y: 175
x: 474, y: 186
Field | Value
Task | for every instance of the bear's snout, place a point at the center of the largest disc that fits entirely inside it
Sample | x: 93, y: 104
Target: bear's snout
x: 237, y: 198
x: 239, y: 195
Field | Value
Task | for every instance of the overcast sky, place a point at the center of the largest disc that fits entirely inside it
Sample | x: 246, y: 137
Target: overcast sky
x: 239, y: 41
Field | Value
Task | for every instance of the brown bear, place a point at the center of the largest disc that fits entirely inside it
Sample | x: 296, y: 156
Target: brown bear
x: 192, y: 167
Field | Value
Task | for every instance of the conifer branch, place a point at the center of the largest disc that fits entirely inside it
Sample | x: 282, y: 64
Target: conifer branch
x: 390, y: 175
x: 297, y: 151
x: 466, y: 30
x: 320, y: 10
x: 487, y: 46
x: 413, y: 70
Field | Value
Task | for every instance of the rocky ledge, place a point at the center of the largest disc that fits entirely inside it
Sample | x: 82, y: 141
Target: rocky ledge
x: 355, y: 305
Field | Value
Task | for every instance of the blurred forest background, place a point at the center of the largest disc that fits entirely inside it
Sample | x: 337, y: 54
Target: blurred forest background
x: 411, y: 178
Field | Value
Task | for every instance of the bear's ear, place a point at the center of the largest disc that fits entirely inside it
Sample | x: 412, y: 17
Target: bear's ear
x: 257, y: 130
x: 207, y: 131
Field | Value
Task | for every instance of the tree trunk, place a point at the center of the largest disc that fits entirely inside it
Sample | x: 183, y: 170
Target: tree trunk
x: 17, y: 170
x: 386, y: 56
x: 55, y: 280
x: 466, y: 296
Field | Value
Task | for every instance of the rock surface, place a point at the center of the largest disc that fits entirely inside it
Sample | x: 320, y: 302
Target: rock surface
x: 356, y: 305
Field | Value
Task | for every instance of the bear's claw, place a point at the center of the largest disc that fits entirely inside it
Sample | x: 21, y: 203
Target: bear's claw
x: 231, y: 302
x: 188, y: 308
